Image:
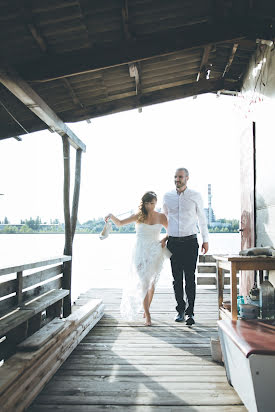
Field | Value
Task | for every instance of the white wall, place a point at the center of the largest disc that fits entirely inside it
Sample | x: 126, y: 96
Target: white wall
x: 259, y: 97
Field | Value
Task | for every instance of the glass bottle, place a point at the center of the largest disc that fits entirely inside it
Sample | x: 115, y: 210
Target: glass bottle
x: 267, y: 306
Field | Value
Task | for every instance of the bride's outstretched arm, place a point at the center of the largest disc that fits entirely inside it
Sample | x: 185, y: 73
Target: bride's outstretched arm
x: 118, y: 222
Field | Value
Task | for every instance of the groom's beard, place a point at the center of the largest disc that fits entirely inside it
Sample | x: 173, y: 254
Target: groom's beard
x: 180, y: 187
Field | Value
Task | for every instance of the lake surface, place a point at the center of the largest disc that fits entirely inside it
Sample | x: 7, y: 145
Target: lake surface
x: 96, y: 263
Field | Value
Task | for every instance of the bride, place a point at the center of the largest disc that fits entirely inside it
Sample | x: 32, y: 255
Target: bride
x: 147, y: 260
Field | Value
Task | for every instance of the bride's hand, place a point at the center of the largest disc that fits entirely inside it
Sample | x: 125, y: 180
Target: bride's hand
x: 108, y: 217
x: 163, y: 242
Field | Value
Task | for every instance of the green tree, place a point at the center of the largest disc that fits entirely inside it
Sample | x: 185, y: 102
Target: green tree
x: 9, y: 229
x: 25, y: 229
x: 34, y: 224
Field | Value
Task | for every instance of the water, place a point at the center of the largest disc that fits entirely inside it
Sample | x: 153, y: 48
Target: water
x: 96, y: 263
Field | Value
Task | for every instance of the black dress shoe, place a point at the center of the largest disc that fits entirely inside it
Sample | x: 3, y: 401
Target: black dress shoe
x: 180, y: 317
x: 189, y: 321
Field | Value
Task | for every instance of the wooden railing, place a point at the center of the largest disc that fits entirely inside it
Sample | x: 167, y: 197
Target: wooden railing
x: 29, y: 300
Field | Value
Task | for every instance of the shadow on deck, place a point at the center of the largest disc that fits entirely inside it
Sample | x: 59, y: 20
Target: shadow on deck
x: 120, y: 366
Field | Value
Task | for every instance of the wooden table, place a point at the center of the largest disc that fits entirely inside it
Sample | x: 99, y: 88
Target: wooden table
x: 235, y: 263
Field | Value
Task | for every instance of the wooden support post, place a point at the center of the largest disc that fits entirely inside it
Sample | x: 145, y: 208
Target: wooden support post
x: 70, y: 219
x: 234, y: 312
x: 76, y: 191
x: 19, y: 288
x: 220, y: 285
x: 54, y: 311
x: 67, y: 266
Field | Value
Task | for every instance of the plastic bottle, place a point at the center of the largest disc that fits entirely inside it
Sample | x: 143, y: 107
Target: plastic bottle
x: 267, y: 304
x: 240, y: 300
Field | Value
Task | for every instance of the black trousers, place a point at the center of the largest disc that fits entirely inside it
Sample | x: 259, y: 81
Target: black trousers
x: 183, y: 260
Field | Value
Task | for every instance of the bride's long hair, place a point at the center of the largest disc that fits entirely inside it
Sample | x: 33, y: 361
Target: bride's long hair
x: 142, y: 212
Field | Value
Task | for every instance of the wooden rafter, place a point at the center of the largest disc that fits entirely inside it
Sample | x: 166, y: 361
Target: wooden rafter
x: 135, y: 72
x: 22, y: 90
x: 37, y: 37
x: 204, y: 59
x: 134, y: 50
x: 41, y: 42
x: 80, y: 6
x: 125, y: 20
x: 26, y: 13
x: 147, y: 99
x: 134, y: 69
x: 231, y: 57
x: 75, y: 98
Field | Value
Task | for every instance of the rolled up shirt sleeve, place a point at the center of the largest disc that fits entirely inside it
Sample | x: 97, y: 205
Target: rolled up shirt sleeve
x: 165, y: 208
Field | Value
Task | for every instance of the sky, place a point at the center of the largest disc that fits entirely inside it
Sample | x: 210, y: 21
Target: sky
x: 127, y: 154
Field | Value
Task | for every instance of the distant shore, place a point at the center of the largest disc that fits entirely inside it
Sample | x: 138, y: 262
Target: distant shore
x: 95, y: 226
x: 90, y: 233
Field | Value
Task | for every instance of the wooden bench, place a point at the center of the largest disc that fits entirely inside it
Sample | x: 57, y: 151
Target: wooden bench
x: 37, y: 359
x: 42, y: 336
x: 249, y: 355
x: 29, y: 300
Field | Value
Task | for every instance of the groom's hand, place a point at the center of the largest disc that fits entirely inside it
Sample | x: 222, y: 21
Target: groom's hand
x: 204, y: 247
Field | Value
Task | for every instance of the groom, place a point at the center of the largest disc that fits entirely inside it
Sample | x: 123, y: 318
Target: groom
x: 184, y: 210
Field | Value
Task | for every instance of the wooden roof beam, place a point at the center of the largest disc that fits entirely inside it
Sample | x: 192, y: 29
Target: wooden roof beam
x: 26, y: 13
x: 125, y: 20
x: 134, y: 69
x: 74, y: 97
x: 21, y: 89
x: 134, y: 50
x: 204, y: 59
x: 230, y: 60
x: 41, y: 42
x: 37, y: 37
x: 147, y: 99
x: 135, y: 72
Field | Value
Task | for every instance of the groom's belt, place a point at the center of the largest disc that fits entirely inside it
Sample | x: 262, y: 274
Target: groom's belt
x: 183, y: 237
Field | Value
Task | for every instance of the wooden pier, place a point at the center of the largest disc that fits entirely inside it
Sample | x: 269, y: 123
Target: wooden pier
x: 121, y: 366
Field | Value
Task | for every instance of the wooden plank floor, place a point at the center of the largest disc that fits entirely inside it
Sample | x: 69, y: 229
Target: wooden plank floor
x: 121, y: 366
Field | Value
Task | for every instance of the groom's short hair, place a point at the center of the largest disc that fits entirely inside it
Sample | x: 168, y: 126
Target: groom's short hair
x: 184, y: 169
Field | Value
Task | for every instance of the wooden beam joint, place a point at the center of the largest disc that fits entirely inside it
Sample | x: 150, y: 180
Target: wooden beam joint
x: 22, y: 90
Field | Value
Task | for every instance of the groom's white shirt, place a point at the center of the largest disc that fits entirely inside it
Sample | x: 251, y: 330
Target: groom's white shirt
x: 184, y: 211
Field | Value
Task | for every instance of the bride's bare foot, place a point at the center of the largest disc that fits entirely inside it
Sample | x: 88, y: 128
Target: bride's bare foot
x: 148, y: 321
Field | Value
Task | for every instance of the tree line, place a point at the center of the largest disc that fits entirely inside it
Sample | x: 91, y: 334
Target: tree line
x: 95, y: 226
x: 31, y: 226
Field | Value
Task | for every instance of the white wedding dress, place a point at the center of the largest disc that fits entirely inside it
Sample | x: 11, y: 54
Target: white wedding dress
x: 147, y: 261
